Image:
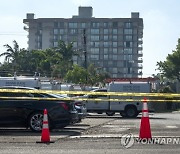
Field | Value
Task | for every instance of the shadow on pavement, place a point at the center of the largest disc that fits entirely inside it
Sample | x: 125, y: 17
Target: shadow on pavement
x: 28, y: 132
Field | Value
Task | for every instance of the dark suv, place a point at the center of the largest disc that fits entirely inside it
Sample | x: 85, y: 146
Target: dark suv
x: 23, y: 111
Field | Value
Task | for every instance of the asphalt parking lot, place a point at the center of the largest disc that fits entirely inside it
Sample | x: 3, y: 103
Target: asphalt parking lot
x: 95, y: 134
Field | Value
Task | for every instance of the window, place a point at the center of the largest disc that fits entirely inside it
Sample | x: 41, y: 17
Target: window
x: 61, y: 31
x: 83, y: 25
x: 114, y: 31
x: 105, y: 50
x: 72, y: 25
x: 106, y: 44
x: 105, y: 57
x: 95, y: 57
x: 114, y: 57
x: 114, y: 44
x: 106, y: 31
x: 128, y: 31
x: 55, y: 37
x: 55, y: 44
x: 110, y: 63
x: 105, y: 24
x: 128, y: 50
x: 106, y: 37
x: 73, y: 31
x: 95, y: 24
x: 114, y: 70
x: 94, y: 50
x: 75, y: 44
x: 40, y: 32
x: 128, y: 25
x: 119, y: 64
x: 128, y: 58
x: 128, y: 37
x: 115, y: 24
x: 39, y: 44
x: 114, y: 50
x: 40, y: 25
x: 128, y: 44
x: 94, y: 38
x: 39, y: 38
x: 114, y: 75
x: 61, y: 37
x: 115, y: 37
x: 94, y: 31
x: 55, y: 31
x: 61, y: 24
x: 56, y: 24
x: 94, y: 44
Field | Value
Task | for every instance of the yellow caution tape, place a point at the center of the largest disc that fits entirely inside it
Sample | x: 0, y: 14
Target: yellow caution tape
x: 89, y: 99
x: 93, y: 93
x: 162, y: 97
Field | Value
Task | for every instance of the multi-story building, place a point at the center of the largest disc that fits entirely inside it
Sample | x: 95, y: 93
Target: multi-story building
x: 113, y: 45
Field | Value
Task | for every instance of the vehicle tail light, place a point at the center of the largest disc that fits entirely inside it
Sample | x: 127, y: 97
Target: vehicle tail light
x: 64, y: 105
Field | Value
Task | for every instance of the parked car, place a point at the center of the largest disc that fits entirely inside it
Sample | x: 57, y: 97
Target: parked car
x: 29, y: 112
x: 80, y: 106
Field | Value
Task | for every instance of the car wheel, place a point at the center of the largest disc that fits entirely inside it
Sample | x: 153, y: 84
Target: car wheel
x: 36, y: 121
x: 110, y: 113
x: 131, y: 112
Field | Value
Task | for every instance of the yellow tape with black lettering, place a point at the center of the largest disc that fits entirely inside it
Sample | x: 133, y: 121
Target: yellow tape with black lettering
x: 162, y: 97
x: 93, y: 93
x: 89, y: 99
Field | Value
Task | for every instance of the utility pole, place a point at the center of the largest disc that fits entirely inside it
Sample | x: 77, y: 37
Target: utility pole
x: 85, y: 52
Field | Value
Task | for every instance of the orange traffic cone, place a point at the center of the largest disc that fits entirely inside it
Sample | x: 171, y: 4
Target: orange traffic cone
x: 45, y: 135
x: 145, y: 129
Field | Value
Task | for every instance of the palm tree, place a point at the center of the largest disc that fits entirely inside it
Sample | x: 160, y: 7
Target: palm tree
x: 66, y: 50
x: 11, y: 54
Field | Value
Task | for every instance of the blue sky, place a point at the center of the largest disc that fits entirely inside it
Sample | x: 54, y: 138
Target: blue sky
x: 161, y: 22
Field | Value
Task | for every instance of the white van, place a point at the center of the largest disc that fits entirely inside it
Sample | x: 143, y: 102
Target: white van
x: 20, y: 81
x: 126, y: 109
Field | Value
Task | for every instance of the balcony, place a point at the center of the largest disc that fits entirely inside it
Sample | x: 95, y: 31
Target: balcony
x: 26, y: 28
x: 140, y: 42
x: 140, y: 66
x: 140, y: 53
x: 140, y: 60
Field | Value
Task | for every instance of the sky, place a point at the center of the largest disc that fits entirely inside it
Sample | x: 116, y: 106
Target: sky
x: 160, y: 17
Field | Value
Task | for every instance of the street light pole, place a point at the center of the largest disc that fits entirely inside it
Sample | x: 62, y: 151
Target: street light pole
x: 85, y: 52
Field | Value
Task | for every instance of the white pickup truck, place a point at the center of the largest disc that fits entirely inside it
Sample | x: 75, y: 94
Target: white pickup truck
x: 126, y: 109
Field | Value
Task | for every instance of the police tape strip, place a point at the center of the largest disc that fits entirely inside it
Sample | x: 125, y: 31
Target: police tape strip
x: 135, y: 94
x: 88, y: 99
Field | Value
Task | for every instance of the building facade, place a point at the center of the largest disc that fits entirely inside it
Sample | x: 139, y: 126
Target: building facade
x: 113, y: 45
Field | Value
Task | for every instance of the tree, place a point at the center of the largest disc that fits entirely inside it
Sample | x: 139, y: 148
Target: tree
x: 12, y: 54
x: 66, y: 50
x: 95, y: 76
x: 170, y: 68
x: 76, y: 75
x: 66, y: 61
x: 92, y: 74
